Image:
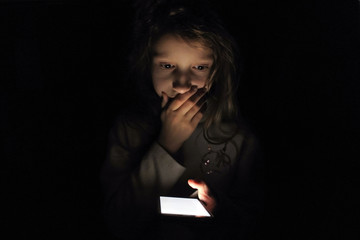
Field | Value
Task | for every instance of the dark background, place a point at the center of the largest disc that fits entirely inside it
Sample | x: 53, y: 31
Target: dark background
x: 62, y: 65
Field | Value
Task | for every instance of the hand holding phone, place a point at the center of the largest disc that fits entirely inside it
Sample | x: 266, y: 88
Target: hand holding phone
x: 204, y: 193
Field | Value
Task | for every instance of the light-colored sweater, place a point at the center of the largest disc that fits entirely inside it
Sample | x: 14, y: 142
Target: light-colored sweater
x: 138, y: 170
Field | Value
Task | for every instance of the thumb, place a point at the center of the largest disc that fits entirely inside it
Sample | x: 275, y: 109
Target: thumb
x: 165, y: 99
x: 203, y: 191
x: 196, y: 184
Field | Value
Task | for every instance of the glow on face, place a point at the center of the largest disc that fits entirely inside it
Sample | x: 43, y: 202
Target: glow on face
x: 178, y: 64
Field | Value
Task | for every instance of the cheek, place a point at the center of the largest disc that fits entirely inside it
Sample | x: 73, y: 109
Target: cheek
x: 200, y: 81
x: 161, y: 83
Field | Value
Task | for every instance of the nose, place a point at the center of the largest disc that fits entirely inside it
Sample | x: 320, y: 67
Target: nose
x: 182, y: 83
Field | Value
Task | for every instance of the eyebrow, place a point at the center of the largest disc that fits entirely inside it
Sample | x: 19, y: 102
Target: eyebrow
x: 164, y: 54
x: 161, y: 54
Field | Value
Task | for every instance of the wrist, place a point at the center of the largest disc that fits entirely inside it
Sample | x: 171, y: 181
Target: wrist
x: 170, y: 148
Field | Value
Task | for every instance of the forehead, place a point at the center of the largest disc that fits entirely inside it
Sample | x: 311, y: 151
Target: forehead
x: 171, y: 45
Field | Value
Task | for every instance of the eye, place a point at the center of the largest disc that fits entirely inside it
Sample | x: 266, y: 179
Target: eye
x: 201, y: 67
x: 167, y: 66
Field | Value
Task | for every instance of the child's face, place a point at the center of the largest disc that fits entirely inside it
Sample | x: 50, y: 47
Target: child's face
x: 177, y: 65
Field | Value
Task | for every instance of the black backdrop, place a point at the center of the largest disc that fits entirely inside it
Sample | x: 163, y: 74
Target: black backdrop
x: 61, y: 68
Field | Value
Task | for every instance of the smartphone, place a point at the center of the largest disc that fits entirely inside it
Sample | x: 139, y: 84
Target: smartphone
x: 176, y: 206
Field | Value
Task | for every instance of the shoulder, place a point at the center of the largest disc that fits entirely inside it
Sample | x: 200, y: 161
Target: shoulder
x: 236, y: 134
x: 228, y: 130
x: 133, y: 129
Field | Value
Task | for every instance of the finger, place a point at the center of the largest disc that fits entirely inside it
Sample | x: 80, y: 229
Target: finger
x: 204, y: 194
x: 181, y: 98
x: 203, y: 190
x: 194, y: 183
x: 198, y: 116
x: 196, y: 119
x: 199, y: 185
x: 198, y: 107
x: 195, y: 100
x: 165, y: 99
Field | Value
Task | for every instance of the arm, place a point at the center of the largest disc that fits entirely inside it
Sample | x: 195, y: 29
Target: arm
x: 137, y: 170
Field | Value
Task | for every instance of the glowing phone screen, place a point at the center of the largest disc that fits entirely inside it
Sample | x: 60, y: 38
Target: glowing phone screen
x: 182, y: 206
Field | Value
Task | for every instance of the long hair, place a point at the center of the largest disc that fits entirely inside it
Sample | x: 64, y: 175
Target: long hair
x: 191, y: 20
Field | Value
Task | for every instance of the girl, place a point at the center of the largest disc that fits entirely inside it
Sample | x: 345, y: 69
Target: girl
x: 182, y: 131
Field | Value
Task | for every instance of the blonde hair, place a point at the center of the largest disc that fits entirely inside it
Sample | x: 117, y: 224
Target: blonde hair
x: 190, y: 22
